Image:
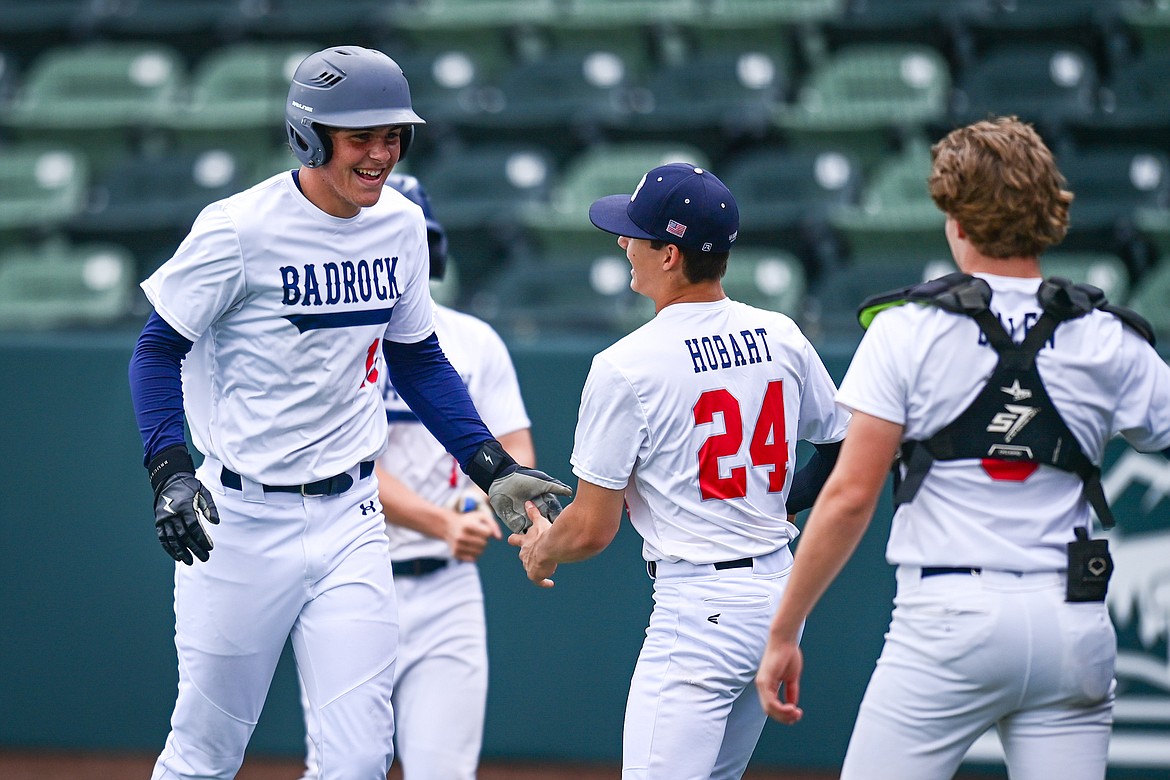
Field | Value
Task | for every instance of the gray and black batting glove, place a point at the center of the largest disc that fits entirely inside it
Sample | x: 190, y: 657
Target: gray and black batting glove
x: 509, y: 485
x: 181, y: 506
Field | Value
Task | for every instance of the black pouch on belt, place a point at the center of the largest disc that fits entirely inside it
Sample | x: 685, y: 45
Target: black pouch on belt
x: 1089, y: 568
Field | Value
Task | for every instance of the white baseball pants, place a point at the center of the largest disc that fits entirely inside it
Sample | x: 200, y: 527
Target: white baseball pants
x: 966, y: 652
x: 315, y: 567
x: 693, y: 712
x: 441, y: 678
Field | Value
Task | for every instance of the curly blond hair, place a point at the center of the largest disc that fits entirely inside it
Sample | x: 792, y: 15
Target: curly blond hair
x: 1000, y: 182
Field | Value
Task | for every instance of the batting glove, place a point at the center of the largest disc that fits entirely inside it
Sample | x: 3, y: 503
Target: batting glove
x: 509, y: 485
x: 181, y: 507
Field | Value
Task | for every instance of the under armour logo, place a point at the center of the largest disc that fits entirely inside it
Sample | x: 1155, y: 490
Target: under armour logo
x: 367, y: 508
x: 714, y: 618
x: 1012, y: 421
x: 1016, y: 392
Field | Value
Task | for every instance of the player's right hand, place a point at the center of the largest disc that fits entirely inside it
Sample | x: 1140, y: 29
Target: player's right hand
x: 778, y: 681
x: 181, y: 506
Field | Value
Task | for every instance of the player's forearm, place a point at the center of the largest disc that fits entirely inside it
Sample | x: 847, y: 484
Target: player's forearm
x: 156, y: 386
x: 585, y: 528
x: 403, y: 507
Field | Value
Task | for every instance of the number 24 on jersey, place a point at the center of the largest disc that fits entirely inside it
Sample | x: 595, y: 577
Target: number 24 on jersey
x: 767, y: 448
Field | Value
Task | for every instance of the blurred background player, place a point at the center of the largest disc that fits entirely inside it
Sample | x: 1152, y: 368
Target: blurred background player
x: 439, y: 523
x: 691, y: 422
x: 273, y: 323
x: 999, y: 619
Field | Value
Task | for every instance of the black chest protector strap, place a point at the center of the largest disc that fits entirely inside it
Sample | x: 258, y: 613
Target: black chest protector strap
x: 1012, y: 418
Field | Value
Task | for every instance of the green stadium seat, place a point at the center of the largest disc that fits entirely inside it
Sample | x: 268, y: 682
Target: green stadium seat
x: 1154, y: 224
x: 1149, y: 299
x: 240, y: 89
x: 57, y: 284
x: 778, y: 188
x: 751, y: 13
x: 562, y: 221
x: 862, y: 94
x: 563, y: 91
x: 1133, y: 104
x: 567, y: 293
x: 1049, y: 84
x: 461, y: 15
x: 452, y: 84
x: 1110, y: 184
x: 187, y: 24
x: 41, y: 187
x: 617, y: 13
x: 1100, y: 269
x: 103, y: 97
x: 766, y: 278
x: 1150, y: 20
x: 895, y: 212
x: 726, y: 92
x: 148, y: 200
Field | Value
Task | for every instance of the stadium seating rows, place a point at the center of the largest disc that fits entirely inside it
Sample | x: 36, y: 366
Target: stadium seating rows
x: 119, y: 120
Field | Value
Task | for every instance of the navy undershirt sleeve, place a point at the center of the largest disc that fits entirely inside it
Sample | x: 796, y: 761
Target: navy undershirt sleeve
x: 807, y: 483
x: 423, y: 376
x: 156, y: 386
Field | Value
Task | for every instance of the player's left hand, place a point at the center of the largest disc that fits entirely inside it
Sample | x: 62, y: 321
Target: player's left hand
x: 181, y: 508
x: 538, y: 571
x: 781, y: 667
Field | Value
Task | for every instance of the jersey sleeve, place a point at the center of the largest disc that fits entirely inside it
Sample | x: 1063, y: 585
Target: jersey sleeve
x: 1143, y: 414
x: 872, y: 384
x: 611, y: 428
x: 203, y: 280
x: 822, y: 419
x: 496, y: 389
x: 414, y: 313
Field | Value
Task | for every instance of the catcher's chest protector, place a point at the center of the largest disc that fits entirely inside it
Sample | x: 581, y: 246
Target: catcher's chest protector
x: 1012, y: 419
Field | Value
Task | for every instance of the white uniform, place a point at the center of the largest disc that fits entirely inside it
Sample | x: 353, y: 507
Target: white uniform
x: 696, y: 415
x: 1000, y: 647
x: 287, y: 307
x: 440, y: 686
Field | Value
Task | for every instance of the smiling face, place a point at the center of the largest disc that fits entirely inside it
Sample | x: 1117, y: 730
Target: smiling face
x: 353, y: 177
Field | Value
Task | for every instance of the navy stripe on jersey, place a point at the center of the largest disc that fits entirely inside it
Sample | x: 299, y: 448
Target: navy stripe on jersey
x: 340, y: 319
x: 401, y: 416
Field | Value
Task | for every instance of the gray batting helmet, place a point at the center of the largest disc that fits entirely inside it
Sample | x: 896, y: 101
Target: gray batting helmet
x: 347, y: 87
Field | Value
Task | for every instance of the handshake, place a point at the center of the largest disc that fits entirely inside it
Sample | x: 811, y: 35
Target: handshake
x: 508, y: 485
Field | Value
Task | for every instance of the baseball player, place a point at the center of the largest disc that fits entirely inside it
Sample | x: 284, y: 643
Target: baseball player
x: 273, y: 324
x: 692, y: 421
x: 1000, y: 390
x: 439, y: 524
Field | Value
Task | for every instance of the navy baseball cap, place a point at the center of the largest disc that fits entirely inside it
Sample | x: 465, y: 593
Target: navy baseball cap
x: 678, y: 203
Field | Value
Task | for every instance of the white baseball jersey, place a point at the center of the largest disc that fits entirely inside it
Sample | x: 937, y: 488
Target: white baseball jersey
x: 920, y: 367
x: 287, y: 307
x: 703, y: 406
x: 416, y: 457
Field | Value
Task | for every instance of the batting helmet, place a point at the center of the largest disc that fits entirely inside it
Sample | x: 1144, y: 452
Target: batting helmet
x: 436, y: 236
x: 347, y: 87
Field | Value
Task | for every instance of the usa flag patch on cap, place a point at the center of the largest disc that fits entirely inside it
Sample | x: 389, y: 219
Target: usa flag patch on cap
x: 676, y: 228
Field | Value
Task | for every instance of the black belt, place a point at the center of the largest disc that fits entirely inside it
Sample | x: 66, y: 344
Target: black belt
x: 738, y: 563
x: 934, y: 571
x: 416, y: 567
x: 331, y: 486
